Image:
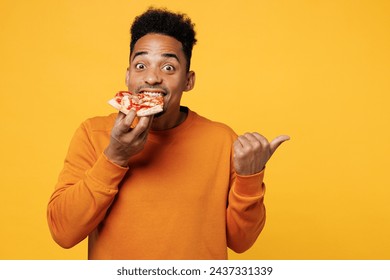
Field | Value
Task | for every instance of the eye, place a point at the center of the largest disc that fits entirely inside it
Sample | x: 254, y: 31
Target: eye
x: 168, y: 68
x: 140, y: 66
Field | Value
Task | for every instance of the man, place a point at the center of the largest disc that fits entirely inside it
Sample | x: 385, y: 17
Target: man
x: 177, y: 185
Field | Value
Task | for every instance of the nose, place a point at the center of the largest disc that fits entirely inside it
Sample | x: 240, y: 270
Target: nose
x: 152, y: 77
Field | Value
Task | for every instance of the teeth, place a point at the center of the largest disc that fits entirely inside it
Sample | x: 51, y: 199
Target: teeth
x: 152, y: 93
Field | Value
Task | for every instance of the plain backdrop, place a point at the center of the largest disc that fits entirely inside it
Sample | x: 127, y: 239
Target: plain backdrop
x: 315, y: 70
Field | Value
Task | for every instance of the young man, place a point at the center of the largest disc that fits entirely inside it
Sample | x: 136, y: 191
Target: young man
x: 177, y: 185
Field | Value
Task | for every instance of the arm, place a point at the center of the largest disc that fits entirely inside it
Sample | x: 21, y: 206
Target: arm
x: 85, y: 190
x: 88, y: 183
x: 246, y: 210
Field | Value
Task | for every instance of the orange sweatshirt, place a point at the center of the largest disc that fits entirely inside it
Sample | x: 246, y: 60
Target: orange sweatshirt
x: 178, y: 199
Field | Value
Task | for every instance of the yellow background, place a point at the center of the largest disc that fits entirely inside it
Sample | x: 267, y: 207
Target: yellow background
x: 318, y: 71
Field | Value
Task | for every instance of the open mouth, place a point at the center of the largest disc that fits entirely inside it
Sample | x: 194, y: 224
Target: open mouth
x: 152, y: 91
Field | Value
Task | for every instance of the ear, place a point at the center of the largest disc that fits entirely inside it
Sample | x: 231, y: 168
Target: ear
x: 127, y: 76
x: 190, y: 81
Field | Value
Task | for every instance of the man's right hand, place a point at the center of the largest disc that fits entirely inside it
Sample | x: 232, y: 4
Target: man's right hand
x: 125, y: 141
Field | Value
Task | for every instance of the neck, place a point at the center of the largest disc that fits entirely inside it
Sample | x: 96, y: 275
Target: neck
x: 165, y: 121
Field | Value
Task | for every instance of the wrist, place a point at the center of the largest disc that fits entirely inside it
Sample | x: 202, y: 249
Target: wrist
x: 114, y: 159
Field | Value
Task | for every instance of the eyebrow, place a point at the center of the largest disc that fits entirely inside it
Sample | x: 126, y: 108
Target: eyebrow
x: 168, y: 55
x: 171, y: 55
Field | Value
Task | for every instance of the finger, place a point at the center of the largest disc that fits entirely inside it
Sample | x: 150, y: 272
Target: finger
x: 241, y: 142
x: 119, y: 118
x: 275, y: 143
x: 143, y: 126
x: 237, y: 146
x: 129, y: 118
x: 150, y: 121
x: 260, y: 138
x: 122, y: 122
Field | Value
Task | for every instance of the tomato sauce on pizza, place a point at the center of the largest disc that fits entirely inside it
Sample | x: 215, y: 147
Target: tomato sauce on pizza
x: 145, y: 104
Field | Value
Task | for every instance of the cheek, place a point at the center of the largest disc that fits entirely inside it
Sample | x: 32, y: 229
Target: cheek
x: 177, y: 85
x: 174, y: 98
x: 131, y: 82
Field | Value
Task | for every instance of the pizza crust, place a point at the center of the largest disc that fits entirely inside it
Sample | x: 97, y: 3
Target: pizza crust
x: 117, y: 106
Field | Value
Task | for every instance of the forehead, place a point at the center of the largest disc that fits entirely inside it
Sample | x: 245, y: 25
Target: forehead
x: 158, y: 44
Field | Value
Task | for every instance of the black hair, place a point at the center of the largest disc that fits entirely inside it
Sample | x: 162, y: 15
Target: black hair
x: 162, y: 21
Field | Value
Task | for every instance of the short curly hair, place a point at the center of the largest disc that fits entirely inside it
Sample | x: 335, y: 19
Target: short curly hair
x: 162, y: 21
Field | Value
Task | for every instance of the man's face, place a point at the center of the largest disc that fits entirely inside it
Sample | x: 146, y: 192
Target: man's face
x: 158, y: 64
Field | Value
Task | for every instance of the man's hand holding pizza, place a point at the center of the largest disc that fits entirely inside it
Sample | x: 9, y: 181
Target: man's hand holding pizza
x: 125, y: 141
x: 252, y: 151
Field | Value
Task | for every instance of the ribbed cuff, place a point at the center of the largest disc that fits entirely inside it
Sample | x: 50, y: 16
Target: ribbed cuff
x: 250, y: 185
x: 107, y: 173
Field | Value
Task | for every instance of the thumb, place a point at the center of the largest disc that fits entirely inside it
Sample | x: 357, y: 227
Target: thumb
x: 275, y: 143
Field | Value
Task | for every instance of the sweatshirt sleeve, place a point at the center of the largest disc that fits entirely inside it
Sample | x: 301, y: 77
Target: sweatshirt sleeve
x: 246, y: 211
x: 86, y: 187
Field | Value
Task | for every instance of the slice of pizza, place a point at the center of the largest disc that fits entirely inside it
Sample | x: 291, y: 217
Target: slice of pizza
x: 145, y: 104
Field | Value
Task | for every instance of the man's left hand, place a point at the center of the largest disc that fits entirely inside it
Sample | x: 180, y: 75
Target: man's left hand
x: 252, y: 151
